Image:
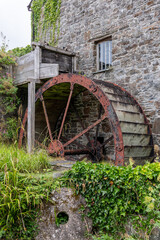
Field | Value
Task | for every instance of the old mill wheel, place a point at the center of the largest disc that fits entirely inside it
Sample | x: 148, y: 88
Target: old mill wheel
x: 75, y: 117
x: 56, y: 106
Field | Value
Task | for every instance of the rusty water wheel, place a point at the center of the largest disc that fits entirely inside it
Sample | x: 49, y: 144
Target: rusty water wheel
x: 59, y: 145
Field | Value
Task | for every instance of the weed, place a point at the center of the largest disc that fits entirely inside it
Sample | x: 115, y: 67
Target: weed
x: 24, y: 162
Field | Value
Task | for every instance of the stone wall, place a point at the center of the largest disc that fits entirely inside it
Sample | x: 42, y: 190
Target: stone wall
x: 134, y: 27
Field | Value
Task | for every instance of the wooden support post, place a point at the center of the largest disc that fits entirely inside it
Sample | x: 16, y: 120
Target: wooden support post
x: 31, y: 116
x: 37, y: 61
x: 31, y: 100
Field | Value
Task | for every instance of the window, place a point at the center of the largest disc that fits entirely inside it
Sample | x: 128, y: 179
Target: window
x: 104, y: 54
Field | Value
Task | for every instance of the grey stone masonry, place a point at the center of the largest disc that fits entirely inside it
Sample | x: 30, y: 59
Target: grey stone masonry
x: 135, y: 30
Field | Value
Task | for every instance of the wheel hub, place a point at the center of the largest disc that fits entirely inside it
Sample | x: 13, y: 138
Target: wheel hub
x: 56, y: 147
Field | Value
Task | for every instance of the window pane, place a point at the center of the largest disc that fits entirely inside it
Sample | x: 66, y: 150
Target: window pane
x: 99, y: 56
x: 105, y: 55
x: 110, y: 51
x: 107, y: 52
x: 103, y: 59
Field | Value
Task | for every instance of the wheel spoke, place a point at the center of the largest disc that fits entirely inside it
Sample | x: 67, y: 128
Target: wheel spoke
x: 66, y: 110
x: 76, y: 151
x: 75, y: 142
x: 97, y: 130
x: 86, y: 130
x: 46, y: 117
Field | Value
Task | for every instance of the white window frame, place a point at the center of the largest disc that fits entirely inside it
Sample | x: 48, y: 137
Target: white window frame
x: 104, y: 51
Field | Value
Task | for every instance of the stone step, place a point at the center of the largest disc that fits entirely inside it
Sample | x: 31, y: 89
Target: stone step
x: 62, y: 163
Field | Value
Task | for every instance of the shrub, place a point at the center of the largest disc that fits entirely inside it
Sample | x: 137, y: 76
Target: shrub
x: 114, y: 193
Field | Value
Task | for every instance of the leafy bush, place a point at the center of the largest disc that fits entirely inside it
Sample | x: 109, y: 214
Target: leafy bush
x: 18, y: 52
x: 8, y: 96
x: 114, y: 193
x: 8, y: 106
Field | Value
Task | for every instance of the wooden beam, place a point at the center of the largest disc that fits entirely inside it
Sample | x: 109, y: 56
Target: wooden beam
x: 48, y: 70
x: 53, y: 49
x: 31, y: 116
x: 25, y: 81
x: 37, y: 61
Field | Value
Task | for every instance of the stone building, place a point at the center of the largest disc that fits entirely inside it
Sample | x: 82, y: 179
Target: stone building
x: 130, y: 32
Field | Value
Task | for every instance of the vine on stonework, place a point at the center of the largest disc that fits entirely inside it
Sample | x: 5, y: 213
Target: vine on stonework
x: 46, y: 19
x: 114, y: 195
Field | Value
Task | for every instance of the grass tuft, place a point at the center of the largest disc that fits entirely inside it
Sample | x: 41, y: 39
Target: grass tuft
x: 12, y: 157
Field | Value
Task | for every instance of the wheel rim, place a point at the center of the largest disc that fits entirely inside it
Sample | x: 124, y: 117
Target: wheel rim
x: 57, y: 146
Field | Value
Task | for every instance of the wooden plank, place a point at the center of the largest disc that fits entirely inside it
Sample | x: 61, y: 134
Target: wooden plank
x: 64, y: 61
x: 130, y: 117
x: 25, y: 81
x: 37, y: 61
x: 31, y: 116
x: 118, y: 98
x: 74, y: 64
x: 24, y: 68
x: 125, y: 107
x: 26, y: 58
x: 134, y: 127
x: 135, y: 140
x: 20, y: 78
x: 53, y: 49
x: 137, y: 151
x: 48, y: 70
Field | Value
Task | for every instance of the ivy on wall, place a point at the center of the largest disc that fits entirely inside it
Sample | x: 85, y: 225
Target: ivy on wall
x: 46, y: 20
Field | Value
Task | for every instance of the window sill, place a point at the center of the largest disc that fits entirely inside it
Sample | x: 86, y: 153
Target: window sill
x: 104, y: 71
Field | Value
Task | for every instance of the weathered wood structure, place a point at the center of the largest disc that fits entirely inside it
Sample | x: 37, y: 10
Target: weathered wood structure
x: 35, y: 68
x: 77, y: 116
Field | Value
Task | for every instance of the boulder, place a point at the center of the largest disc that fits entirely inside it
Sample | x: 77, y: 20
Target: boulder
x: 65, y: 204
x: 155, y: 234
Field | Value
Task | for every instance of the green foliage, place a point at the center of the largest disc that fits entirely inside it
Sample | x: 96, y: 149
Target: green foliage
x: 46, y: 19
x: 22, y: 195
x: 8, y: 131
x: 103, y: 237
x: 5, y: 57
x: 24, y: 162
x: 18, y: 52
x: 61, y: 218
x: 8, y: 95
x: 20, y: 199
x: 114, y: 193
x: 9, y: 103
